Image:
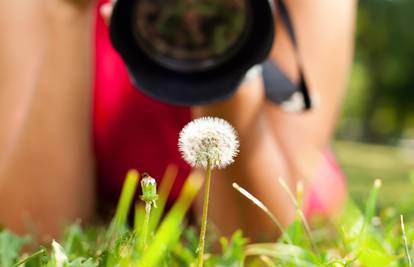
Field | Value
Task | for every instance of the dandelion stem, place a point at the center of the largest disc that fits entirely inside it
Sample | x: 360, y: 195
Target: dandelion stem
x: 145, y: 227
x: 204, y: 216
x: 149, y: 196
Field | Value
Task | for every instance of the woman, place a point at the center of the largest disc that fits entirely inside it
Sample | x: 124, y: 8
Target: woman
x: 47, y: 155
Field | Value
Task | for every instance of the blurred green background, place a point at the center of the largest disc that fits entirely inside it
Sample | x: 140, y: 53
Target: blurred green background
x: 375, y: 135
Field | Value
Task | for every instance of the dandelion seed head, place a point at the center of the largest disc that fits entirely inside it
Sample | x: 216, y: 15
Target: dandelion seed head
x: 208, y: 139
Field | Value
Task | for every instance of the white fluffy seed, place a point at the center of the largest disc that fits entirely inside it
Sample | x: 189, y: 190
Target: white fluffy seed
x: 208, y: 139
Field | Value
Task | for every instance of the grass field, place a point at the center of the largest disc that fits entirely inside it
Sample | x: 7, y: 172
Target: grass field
x: 363, y: 163
x: 360, y: 237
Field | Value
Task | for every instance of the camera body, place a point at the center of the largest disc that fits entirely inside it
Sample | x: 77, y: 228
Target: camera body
x: 191, y: 52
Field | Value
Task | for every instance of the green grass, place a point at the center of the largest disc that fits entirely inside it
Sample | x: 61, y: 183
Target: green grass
x: 363, y: 163
x: 362, y: 236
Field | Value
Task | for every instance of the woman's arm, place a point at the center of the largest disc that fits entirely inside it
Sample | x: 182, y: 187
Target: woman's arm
x: 268, y: 149
x: 325, y: 31
x: 46, y: 166
x: 278, y: 144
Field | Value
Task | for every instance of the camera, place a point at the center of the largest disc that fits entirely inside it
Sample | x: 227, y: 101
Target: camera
x: 191, y: 52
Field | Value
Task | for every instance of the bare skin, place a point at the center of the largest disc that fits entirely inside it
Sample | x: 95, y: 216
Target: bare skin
x: 49, y: 170
x: 325, y: 31
x: 46, y: 166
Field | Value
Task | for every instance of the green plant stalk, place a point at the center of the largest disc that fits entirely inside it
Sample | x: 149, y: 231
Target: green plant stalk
x: 300, y: 216
x: 126, y: 198
x: 267, y: 261
x: 370, y: 211
x: 145, y: 227
x: 164, y: 191
x: 263, y: 207
x: 404, y: 236
x: 31, y: 257
x: 119, y: 222
x: 139, y: 217
x: 149, y: 196
x: 169, y: 231
x: 203, y: 229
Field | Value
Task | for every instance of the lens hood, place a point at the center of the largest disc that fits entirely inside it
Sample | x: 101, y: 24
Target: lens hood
x: 198, y: 86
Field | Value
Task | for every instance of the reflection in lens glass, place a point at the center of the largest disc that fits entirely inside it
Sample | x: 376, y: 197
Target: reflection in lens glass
x: 192, y: 30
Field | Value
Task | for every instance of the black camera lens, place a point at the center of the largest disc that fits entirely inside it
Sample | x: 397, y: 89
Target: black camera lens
x: 191, y: 52
x: 190, y: 35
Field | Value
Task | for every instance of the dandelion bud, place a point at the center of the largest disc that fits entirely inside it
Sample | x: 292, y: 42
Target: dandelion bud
x: 208, y: 140
x: 149, y: 189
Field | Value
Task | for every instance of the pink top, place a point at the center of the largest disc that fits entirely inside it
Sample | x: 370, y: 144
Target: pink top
x: 130, y: 130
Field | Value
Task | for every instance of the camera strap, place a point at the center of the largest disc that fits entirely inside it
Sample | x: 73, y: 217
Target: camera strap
x: 279, y: 88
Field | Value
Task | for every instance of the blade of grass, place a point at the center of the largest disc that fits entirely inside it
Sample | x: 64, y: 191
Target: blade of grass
x: 139, y: 217
x: 372, y: 202
x: 301, y: 216
x: 404, y: 236
x: 163, y: 192
x: 119, y: 222
x: 72, y: 232
x: 261, y: 206
x: 268, y: 261
x: 127, y: 195
x: 370, y: 210
x: 37, y: 254
x: 285, y: 253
